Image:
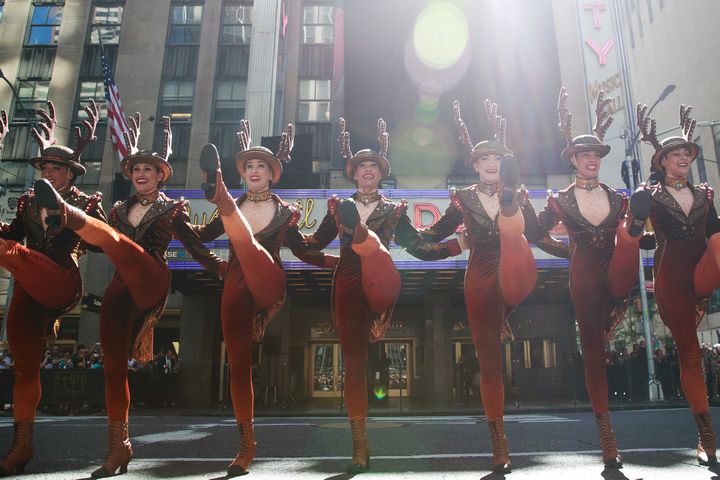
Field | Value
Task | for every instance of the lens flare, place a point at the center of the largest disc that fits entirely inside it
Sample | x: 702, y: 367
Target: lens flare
x: 380, y: 393
x: 440, y: 35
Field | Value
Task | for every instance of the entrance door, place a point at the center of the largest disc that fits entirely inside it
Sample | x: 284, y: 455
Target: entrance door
x: 399, y: 356
x: 326, y: 370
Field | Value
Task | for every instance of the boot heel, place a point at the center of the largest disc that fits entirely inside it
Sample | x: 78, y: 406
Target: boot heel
x: 123, y: 469
x: 209, y: 163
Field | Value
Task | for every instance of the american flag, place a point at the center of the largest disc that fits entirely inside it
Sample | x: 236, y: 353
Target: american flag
x: 116, y: 117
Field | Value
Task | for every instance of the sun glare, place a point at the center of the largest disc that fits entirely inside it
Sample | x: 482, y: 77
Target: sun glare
x: 440, y: 35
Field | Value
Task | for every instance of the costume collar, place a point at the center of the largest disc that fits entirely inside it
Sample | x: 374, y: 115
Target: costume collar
x: 587, y: 184
x: 146, y: 200
x: 259, y: 196
x: 367, y: 198
x: 488, y: 189
x: 676, y: 183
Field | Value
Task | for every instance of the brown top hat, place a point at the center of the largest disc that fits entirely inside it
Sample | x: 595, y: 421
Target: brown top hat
x: 59, y: 154
x: 584, y: 143
x: 648, y: 128
x: 366, y: 154
x: 497, y: 146
x: 146, y: 156
x: 265, y: 154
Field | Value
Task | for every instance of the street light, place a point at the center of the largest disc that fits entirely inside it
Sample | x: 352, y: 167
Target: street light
x: 632, y: 165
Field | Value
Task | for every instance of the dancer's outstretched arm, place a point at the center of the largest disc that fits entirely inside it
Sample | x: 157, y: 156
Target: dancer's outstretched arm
x: 188, y: 236
x: 416, y: 244
x: 537, y: 228
x: 327, y: 231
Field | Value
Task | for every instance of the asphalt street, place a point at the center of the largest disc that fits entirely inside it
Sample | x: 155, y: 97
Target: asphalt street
x: 655, y: 444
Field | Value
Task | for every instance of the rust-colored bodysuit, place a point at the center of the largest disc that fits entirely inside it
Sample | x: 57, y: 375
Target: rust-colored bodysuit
x: 500, y: 274
x: 135, y: 299
x: 47, y: 284
x: 243, y: 320
x: 365, y: 288
x: 686, y: 273
x: 603, y: 269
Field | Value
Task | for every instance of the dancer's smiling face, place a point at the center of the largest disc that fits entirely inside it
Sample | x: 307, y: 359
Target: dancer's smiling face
x: 146, y: 178
x: 257, y: 174
x: 677, y: 162
x: 488, y: 167
x: 59, y: 176
x: 587, y: 164
x: 368, y: 175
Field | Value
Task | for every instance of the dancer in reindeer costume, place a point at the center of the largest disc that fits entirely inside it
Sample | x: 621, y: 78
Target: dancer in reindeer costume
x: 501, y: 270
x: 604, y: 256
x: 136, y: 242
x: 47, y: 279
x: 687, y: 259
x: 366, y: 282
x: 257, y: 224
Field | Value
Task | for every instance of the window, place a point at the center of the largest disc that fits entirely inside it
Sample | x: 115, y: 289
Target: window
x: 92, y: 90
x: 45, y: 25
x: 180, y: 148
x: 317, y: 24
x: 106, y: 24
x: 33, y: 95
x: 36, y: 63
x: 539, y: 353
x: 2, y: 6
x: 185, y: 24
x: 314, y: 101
x: 18, y: 146
x: 176, y: 99
x: 236, y: 24
x: 230, y: 100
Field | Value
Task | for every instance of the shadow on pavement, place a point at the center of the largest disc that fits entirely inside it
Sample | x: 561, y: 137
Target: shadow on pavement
x: 613, y: 474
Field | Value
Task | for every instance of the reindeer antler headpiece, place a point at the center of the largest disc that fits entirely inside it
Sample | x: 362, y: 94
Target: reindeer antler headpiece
x: 275, y: 160
x: 160, y: 160
x: 497, y: 146
x: 42, y: 132
x: 648, y: 129
x: 367, y: 154
x: 583, y: 143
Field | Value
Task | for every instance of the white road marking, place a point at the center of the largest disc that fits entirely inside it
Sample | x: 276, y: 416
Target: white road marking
x: 174, y: 436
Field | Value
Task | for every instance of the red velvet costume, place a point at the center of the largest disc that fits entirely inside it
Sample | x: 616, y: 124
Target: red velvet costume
x: 604, y: 266
x: 47, y: 280
x: 47, y: 284
x: 687, y: 260
x: 500, y: 274
x: 365, y: 288
x: 245, y: 314
x: 135, y: 299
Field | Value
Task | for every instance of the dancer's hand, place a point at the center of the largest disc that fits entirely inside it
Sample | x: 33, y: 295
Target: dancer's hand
x: 330, y: 261
x: 463, y: 240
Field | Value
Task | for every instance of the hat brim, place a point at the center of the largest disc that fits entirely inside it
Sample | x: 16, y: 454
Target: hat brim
x: 351, y: 165
x: 162, y: 164
x: 489, y: 150
x: 270, y: 159
x: 693, y: 147
x: 571, y: 150
x: 77, y: 168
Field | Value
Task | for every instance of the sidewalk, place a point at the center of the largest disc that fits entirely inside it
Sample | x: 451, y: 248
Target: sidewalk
x: 330, y: 407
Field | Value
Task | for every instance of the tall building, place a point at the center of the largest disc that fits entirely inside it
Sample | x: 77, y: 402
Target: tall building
x: 207, y: 64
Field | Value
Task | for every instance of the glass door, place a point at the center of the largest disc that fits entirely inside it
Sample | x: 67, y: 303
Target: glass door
x: 326, y: 370
x: 399, y: 361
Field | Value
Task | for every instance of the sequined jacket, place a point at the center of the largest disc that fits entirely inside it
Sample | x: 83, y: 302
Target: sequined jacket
x: 281, y: 231
x: 389, y: 220
x: 562, y: 207
x: 671, y: 224
x: 63, y: 245
x: 481, y: 230
x: 166, y: 218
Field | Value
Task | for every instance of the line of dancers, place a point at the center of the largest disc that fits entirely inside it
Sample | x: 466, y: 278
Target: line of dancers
x: 606, y: 230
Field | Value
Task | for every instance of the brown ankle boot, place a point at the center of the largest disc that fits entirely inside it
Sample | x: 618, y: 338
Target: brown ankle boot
x: 119, y: 451
x: 361, y: 450
x: 611, y: 456
x: 59, y: 213
x: 501, y: 452
x: 638, y: 210
x: 21, y: 451
x: 245, y: 456
x: 707, y: 440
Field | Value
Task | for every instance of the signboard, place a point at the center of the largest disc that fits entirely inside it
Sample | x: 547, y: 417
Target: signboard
x: 601, y: 63
x: 424, y: 208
